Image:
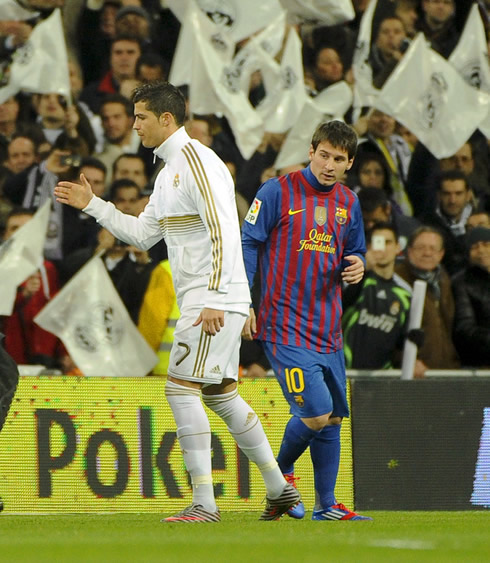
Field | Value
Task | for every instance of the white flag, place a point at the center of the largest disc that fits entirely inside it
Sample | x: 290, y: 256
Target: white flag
x: 470, y: 58
x: 283, y: 102
x: 10, y: 10
x: 331, y: 103
x: 21, y: 255
x: 88, y: 316
x: 239, y: 18
x: 41, y: 64
x: 364, y: 91
x: 326, y: 12
x: 427, y: 95
x: 214, y: 89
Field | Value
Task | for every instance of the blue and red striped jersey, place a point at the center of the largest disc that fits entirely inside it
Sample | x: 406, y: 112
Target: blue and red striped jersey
x: 299, y: 231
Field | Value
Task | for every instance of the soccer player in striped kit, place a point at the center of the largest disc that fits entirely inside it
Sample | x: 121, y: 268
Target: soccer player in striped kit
x: 305, y: 231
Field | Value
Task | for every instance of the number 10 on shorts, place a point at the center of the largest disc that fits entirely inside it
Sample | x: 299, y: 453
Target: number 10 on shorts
x: 295, y: 380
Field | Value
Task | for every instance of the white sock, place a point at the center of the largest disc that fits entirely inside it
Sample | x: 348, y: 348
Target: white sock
x: 245, y: 427
x: 194, y: 436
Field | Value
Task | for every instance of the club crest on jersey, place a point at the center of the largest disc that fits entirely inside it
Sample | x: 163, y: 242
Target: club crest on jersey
x: 299, y: 400
x: 395, y: 308
x: 253, y: 212
x: 320, y: 215
x: 341, y: 215
x: 176, y: 181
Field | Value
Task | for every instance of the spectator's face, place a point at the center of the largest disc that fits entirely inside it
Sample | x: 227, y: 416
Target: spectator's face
x: 480, y: 254
x: 76, y: 82
x: 437, y: 12
x: 124, y: 55
x: 149, y: 73
x: 453, y: 197
x: 127, y: 199
x: 328, y: 163
x: 461, y: 160
x: 371, y: 175
x: 478, y: 220
x: 96, y: 178
x: 108, y: 19
x: 14, y: 223
x: 408, y: 14
x: 133, y: 25
x: 131, y: 169
x: 379, y: 215
x: 9, y: 111
x: 115, y: 122
x: 391, y: 249
x: 199, y: 129
x: 426, y: 252
x: 329, y: 65
x: 21, y: 154
x: 380, y: 124
x: 49, y: 107
x: 390, y: 35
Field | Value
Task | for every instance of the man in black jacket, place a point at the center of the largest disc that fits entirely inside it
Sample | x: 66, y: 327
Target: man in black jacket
x: 471, y: 289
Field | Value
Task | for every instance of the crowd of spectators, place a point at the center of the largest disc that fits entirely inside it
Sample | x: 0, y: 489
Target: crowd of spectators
x: 438, y: 208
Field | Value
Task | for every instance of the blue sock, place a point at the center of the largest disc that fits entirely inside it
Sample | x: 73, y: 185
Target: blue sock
x: 325, y: 455
x: 297, y: 437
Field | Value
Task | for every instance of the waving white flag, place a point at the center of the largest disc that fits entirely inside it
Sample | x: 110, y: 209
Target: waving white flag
x: 331, y: 103
x: 88, y: 316
x: 364, y: 91
x: 41, y: 64
x: 427, y: 95
x: 214, y: 89
x: 470, y: 58
x: 21, y: 255
x: 238, y: 18
x: 327, y: 12
x: 284, y: 101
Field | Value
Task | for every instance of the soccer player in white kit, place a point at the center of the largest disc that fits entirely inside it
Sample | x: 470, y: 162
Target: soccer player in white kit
x: 193, y: 207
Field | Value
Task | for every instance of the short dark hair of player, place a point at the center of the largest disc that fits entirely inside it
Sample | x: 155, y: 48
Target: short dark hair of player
x: 338, y: 134
x: 372, y: 198
x: 120, y: 184
x: 451, y: 175
x: 160, y: 97
x: 381, y: 226
x: 424, y: 229
x: 118, y: 99
x: 93, y: 162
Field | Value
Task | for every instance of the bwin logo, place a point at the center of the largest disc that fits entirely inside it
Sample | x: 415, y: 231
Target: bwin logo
x: 432, y: 100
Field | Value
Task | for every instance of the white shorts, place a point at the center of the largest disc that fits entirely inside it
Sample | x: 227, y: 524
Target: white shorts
x: 201, y: 358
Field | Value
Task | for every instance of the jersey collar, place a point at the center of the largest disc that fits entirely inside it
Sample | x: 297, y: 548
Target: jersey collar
x: 311, y: 179
x: 173, y: 145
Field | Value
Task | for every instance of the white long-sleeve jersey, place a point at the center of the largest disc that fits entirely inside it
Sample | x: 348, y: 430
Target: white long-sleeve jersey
x: 193, y: 207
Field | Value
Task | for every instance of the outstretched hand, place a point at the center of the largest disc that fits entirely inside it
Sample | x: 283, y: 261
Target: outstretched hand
x: 76, y: 195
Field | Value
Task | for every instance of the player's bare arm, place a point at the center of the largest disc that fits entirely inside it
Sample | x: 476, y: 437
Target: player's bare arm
x: 355, y: 271
x: 212, y: 320
x: 250, y: 327
x: 76, y: 195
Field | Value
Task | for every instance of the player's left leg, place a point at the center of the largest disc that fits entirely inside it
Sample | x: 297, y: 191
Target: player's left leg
x: 246, y: 428
x: 325, y: 446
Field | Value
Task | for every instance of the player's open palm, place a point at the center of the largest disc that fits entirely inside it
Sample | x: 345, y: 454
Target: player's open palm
x: 76, y: 195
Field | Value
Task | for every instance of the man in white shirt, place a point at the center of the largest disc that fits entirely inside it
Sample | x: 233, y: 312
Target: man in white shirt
x: 193, y: 207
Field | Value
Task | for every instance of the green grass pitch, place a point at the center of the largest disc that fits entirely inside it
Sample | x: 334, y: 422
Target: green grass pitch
x: 393, y: 536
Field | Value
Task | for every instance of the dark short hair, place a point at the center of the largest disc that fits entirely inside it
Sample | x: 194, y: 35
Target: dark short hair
x: 118, y: 99
x: 152, y: 60
x: 451, y: 175
x: 18, y: 211
x: 425, y: 229
x: 131, y: 155
x: 161, y: 97
x: 93, y: 163
x: 379, y: 226
x: 120, y: 184
x: 338, y: 134
x: 372, y: 198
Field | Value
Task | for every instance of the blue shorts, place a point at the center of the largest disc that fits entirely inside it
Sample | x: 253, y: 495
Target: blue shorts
x: 313, y: 383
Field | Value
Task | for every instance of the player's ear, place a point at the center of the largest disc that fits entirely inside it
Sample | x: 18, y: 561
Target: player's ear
x: 350, y: 163
x: 311, y: 152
